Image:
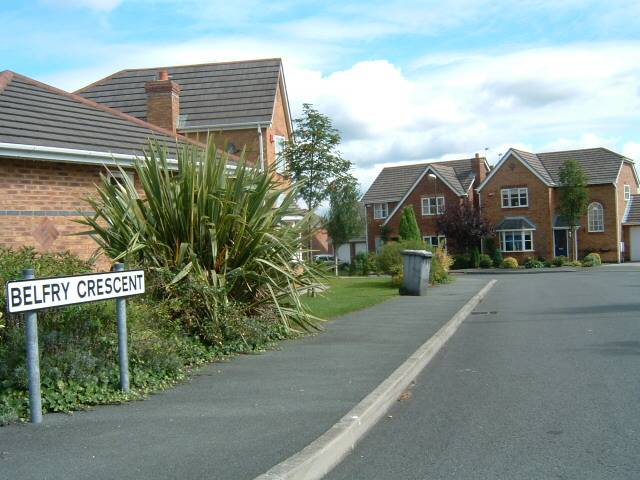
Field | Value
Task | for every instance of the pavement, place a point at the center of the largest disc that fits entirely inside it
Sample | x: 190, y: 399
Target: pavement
x: 235, y: 420
x: 540, y: 382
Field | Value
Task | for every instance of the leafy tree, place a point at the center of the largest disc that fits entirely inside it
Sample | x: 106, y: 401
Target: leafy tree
x: 409, y: 229
x: 464, y: 225
x: 312, y: 157
x: 574, y: 197
x: 344, y: 219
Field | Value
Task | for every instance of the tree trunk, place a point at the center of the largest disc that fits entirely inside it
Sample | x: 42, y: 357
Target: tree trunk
x: 574, y: 233
x: 335, y: 259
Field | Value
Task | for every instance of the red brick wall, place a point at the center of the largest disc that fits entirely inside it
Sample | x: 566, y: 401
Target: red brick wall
x: 514, y: 174
x: 605, y: 243
x: 36, y: 199
x: 626, y: 177
x: 428, y: 187
x: 373, y: 226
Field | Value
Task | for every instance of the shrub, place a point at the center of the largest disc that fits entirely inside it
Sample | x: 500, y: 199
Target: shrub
x: 461, y: 261
x: 592, y: 260
x: 78, y: 343
x: 225, y: 235
x: 559, y: 261
x: 490, y: 246
x: 475, y: 258
x: 574, y: 263
x: 532, y: 262
x: 497, y: 258
x: 440, y: 265
x: 509, y: 262
x: 485, y: 261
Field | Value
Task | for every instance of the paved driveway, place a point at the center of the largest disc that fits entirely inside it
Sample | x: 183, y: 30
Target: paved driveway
x: 542, y: 382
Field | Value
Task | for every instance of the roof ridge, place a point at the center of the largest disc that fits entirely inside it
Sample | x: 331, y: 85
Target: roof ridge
x: 228, y: 62
x: 5, y: 79
x: 106, y: 109
x: 433, y: 162
x: 578, y: 150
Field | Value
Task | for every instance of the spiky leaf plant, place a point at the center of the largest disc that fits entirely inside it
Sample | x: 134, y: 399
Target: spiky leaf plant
x: 208, y: 221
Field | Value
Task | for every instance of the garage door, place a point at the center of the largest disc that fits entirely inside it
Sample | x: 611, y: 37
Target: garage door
x: 634, y: 237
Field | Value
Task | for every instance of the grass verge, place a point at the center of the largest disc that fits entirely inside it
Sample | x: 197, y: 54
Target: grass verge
x: 348, y: 294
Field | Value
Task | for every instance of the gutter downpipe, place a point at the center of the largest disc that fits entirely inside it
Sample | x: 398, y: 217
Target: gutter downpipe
x: 261, y: 147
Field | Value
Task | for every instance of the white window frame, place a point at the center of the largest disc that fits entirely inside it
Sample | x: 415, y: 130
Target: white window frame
x: 441, y: 240
x: 380, y: 211
x: 434, y: 206
x: 278, y: 145
x: 523, y: 240
x: 627, y: 193
x: 595, y: 223
x: 117, y: 176
x: 511, y: 194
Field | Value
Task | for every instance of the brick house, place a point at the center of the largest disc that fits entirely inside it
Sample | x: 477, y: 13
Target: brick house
x: 243, y: 104
x: 429, y: 187
x: 520, y: 197
x: 53, y: 147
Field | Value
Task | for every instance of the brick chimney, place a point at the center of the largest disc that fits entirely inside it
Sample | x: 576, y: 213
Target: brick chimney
x: 163, y: 101
x: 479, y: 168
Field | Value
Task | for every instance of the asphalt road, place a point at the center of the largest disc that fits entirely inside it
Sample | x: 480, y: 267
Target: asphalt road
x: 237, y: 419
x: 541, y: 382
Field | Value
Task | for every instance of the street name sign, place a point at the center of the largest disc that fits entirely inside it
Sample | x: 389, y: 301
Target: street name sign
x: 40, y: 293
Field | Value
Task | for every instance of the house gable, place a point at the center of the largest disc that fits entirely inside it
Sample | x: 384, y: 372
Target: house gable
x: 445, y: 180
x: 515, y: 155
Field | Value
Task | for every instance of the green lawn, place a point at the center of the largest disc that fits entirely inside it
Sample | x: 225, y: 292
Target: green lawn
x: 347, y: 294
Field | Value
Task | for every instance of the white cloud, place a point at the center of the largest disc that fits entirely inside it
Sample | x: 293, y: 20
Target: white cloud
x: 572, y: 96
x: 99, y: 5
x: 632, y: 150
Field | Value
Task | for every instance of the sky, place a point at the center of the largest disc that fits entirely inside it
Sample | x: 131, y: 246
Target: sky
x: 404, y: 81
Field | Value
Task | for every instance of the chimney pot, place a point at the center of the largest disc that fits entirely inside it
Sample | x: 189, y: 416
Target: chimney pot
x: 477, y: 155
x: 163, y: 75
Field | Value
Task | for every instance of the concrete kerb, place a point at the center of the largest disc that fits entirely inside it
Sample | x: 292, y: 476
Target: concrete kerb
x: 323, y: 454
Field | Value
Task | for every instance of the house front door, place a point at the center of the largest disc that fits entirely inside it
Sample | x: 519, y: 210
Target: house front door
x: 561, y: 242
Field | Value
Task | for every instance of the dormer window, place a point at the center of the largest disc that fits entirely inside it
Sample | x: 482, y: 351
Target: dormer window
x: 380, y: 211
x: 514, y: 197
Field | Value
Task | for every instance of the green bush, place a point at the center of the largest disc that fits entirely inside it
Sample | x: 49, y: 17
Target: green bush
x: 78, y: 343
x: 461, y: 261
x: 559, y: 261
x: 574, y: 263
x: 592, y: 260
x: 509, y: 262
x: 485, y: 261
x: 532, y: 262
x: 227, y: 235
x: 475, y: 258
x: 497, y: 258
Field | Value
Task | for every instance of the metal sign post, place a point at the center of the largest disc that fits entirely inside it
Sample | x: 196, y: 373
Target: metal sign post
x: 123, y: 357
x: 32, y: 294
x: 33, y: 359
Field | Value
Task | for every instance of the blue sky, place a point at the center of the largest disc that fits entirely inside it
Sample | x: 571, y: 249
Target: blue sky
x: 405, y: 81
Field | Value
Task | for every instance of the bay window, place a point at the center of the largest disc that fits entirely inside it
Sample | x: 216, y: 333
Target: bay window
x: 516, y: 240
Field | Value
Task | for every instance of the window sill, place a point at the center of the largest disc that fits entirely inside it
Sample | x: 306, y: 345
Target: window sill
x: 516, y: 251
x: 519, y: 206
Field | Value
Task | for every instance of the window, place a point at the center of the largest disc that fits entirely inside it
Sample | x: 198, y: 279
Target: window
x: 116, y: 177
x: 432, y: 205
x: 515, y: 197
x: 627, y: 193
x: 595, y: 214
x: 380, y: 210
x: 279, y: 142
x: 379, y: 243
x: 435, y: 241
x: 516, y: 240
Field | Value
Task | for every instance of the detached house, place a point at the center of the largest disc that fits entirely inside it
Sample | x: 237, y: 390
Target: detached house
x: 429, y: 187
x: 54, y: 144
x: 520, y: 197
x: 242, y: 104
